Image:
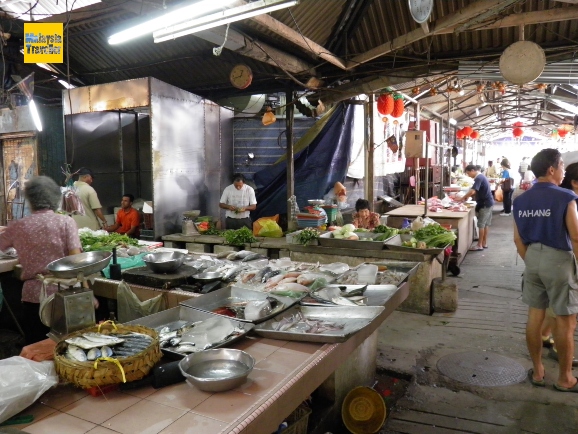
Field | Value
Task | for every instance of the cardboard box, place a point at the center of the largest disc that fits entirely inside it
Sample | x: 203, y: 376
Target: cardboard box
x: 415, y: 145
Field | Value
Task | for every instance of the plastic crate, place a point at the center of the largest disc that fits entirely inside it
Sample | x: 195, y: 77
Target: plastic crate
x: 331, y: 212
x: 297, y: 421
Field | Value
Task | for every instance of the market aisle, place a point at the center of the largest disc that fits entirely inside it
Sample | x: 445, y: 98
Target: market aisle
x: 490, y: 318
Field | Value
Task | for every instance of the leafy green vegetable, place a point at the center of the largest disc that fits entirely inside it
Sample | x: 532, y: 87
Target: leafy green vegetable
x: 213, y: 231
x: 385, y: 231
x: 239, y: 237
x: 307, y: 235
x: 435, y: 236
x: 91, y: 243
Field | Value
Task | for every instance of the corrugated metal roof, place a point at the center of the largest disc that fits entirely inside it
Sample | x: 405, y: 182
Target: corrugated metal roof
x: 41, y: 9
x: 188, y: 62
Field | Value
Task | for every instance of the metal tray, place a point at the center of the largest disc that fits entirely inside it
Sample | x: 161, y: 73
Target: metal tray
x: 224, y: 296
x: 408, y: 268
x: 177, y: 317
x: 395, y: 242
x: 353, y: 320
x: 327, y: 240
x: 377, y: 295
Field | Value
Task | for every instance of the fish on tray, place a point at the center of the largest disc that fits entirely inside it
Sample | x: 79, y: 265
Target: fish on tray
x: 234, y: 256
x: 86, y: 341
x: 299, y: 323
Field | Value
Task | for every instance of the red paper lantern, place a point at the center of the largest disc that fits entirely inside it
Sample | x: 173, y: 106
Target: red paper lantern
x: 398, y: 108
x: 460, y: 134
x: 475, y: 135
x: 518, y: 124
x: 385, y: 104
x: 562, y: 133
x: 518, y: 132
x: 467, y: 131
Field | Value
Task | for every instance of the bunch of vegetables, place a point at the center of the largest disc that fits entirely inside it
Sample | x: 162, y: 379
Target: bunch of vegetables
x: 345, y: 233
x: 385, y: 231
x: 239, y: 237
x: 434, y: 236
x: 91, y: 242
x: 307, y: 235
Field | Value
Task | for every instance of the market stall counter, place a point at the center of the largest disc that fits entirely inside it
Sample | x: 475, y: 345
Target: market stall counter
x: 462, y: 221
x: 286, y: 373
x: 418, y: 301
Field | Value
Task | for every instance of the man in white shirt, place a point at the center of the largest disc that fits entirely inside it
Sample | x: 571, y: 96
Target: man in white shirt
x: 89, y: 198
x: 238, y: 199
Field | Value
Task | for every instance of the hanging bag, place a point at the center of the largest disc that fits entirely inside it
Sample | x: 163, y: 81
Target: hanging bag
x: 498, y: 194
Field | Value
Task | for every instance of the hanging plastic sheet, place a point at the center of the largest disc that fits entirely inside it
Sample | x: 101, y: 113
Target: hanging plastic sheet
x: 316, y: 168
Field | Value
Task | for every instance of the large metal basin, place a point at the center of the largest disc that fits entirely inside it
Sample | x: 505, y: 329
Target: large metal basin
x: 86, y: 263
x: 217, y: 370
x: 164, y: 262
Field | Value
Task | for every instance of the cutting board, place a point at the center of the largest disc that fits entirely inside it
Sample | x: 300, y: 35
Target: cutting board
x: 145, y: 277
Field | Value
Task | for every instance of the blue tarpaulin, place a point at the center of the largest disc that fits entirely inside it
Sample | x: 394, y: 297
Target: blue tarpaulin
x: 316, y: 169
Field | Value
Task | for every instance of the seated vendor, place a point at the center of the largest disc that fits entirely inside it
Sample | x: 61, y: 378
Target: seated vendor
x: 39, y: 239
x: 127, y: 219
x: 364, y: 218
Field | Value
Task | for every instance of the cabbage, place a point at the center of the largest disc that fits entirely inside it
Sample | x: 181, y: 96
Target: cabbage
x: 337, y: 235
x: 347, y: 234
x: 349, y: 227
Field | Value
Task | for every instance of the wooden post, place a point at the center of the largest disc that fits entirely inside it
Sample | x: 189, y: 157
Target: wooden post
x: 289, y: 113
x: 369, y: 152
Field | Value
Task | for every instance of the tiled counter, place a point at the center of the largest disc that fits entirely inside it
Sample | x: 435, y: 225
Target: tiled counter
x: 285, y: 374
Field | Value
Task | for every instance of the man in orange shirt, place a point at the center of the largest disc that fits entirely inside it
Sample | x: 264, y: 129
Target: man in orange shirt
x: 127, y: 218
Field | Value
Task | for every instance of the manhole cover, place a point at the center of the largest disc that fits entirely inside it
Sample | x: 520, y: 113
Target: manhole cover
x: 482, y: 369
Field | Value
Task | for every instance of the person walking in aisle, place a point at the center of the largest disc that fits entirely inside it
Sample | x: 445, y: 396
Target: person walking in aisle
x: 484, y: 205
x: 546, y: 238
x: 507, y: 187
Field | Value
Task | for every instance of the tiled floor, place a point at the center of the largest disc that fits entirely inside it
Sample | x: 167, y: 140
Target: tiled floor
x: 179, y: 408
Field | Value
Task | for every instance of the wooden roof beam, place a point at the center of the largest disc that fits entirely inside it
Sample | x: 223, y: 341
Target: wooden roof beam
x: 257, y: 50
x: 298, y: 39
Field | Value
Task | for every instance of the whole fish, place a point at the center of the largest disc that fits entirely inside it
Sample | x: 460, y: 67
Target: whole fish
x: 269, y: 275
x: 261, y: 273
x: 106, y: 351
x: 93, y: 354
x: 222, y: 255
x: 252, y: 257
x: 187, y: 348
x: 87, y: 344
x: 239, y: 255
x: 75, y: 353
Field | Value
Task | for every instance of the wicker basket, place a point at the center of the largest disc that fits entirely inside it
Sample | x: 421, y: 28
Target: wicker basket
x: 84, y: 374
x: 297, y: 421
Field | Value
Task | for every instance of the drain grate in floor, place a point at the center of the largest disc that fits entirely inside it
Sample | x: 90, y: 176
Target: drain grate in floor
x: 482, y: 369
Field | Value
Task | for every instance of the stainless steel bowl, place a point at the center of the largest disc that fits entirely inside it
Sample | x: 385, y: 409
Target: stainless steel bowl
x: 210, y: 276
x: 164, y: 262
x: 86, y: 263
x: 217, y: 370
x: 192, y: 214
x: 316, y: 201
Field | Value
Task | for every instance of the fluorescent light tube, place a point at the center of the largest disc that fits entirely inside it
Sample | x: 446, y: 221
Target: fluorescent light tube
x: 173, y: 17
x: 66, y: 85
x: 218, y: 19
x: 570, y: 107
x: 35, y: 115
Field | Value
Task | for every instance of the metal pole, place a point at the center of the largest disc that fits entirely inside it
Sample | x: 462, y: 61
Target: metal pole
x: 289, y: 113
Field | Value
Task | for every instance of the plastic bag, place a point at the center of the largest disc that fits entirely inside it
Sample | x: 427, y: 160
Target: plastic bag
x: 71, y: 203
x: 499, y: 194
x: 131, y: 308
x: 22, y: 382
x: 271, y: 229
x: 259, y: 224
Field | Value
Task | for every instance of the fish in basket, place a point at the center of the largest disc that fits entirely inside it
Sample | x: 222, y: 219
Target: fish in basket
x: 107, y: 354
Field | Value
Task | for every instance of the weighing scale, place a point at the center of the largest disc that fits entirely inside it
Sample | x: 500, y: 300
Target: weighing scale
x: 315, y: 204
x: 71, y: 309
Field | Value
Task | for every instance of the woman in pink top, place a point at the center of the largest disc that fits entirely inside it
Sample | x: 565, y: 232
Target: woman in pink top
x: 39, y: 239
x: 364, y: 218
